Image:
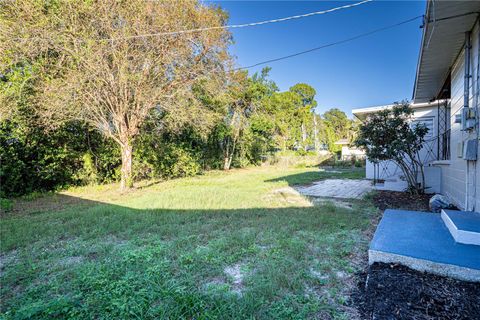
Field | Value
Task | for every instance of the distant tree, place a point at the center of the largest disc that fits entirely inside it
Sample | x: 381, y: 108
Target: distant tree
x: 243, y: 100
x: 354, y: 129
x: 338, y: 121
x: 338, y: 127
x: 329, y: 138
x: 237, y: 101
x: 283, y: 109
x: 305, y: 110
x: 390, y: 135
x: 96, y: 66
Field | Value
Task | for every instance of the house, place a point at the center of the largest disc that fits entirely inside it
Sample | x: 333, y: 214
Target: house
x: 386, y: 175
x: 446, y: 99
x: 448, y: 76
x: 348, y: 151
x: 448, y: 68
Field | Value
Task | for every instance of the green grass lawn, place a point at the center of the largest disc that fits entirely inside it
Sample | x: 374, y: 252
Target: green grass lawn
x: 221, y: 245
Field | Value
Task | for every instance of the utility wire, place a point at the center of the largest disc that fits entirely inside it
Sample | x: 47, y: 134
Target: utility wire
x: 242, y: 25
x: 332, y: 44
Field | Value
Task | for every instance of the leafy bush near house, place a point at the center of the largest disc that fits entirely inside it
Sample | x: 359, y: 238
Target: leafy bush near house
x: 390, y: 135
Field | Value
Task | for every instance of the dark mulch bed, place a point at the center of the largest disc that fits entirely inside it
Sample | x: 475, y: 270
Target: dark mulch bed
x: 397, y: 292
x: 401, y: 200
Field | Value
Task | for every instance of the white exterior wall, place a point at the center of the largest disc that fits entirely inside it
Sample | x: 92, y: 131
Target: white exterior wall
x: 390, y: 169
x: 348, y: 152
x: 475, y: 165
x: 460, y: 178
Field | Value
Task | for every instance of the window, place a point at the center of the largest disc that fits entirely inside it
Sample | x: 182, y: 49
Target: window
x: 427, y: 122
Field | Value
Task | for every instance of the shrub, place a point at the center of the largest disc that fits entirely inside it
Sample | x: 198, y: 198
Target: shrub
x: 35, y: 160
x: 360, y: 163
x: 164, y: 160
x: 88, y: 173
x: 390, y: 135
x: 6, y: 204
x: 178, y: 162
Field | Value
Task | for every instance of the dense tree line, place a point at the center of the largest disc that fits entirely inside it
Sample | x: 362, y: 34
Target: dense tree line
x: 84, y: 99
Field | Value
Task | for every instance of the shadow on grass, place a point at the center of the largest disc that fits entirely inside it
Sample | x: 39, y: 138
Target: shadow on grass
x: 78, y: 217
x: 155, y: 262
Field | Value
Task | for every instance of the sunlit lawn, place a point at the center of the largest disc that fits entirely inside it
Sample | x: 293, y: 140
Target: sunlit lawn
x: 221, y: 245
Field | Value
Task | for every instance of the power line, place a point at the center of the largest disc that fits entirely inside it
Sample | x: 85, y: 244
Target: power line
x: 242, y: 25
x: 331, y: 44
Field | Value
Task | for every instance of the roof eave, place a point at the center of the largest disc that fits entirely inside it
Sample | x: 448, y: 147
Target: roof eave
x: 425, y: 24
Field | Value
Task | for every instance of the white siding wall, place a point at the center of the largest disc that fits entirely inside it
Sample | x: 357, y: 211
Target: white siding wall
x: 454, y: 176
x: 475, y: 165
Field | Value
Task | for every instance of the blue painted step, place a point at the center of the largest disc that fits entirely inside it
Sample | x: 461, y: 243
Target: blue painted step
x: 464, y: 226
x: 422, y: 241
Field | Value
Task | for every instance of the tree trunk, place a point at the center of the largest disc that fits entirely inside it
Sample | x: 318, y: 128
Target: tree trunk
x: 230, y: 150
x: 422, y: 171
x: 226, y: 163
x: 127, y: 179
x: 226, y: 154
x: 228, y: 157
x: 315, y: 133
x: 304, y: 136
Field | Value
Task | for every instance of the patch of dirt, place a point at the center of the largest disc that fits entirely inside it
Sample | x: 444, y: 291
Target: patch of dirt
x: 288, y: 195
x: 70, y: 261
x: 391, y: 291
x: 401, y: 200
x: 263, y: 247
x: 319, y: 275
x: 236, y: 274
x: 7, y: 259
x: 335, y: 202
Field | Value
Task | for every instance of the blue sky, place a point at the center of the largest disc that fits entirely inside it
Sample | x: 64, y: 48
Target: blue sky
x: 378, y: 69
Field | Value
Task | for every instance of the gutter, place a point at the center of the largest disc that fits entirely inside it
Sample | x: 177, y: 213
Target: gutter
x: 477, y: 105
x: 426, y: 18
x: 466, y: 97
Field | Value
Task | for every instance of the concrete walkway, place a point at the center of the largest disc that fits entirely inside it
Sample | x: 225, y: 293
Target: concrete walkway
x: 337, y: 188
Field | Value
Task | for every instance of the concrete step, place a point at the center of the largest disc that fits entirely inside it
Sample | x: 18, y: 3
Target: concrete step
x: 421, y: 241
x: 464, y: 226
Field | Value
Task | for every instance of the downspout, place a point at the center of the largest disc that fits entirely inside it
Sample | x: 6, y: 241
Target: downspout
x: 477, y: 106
x: 466, y: 98
x: 466, y: 87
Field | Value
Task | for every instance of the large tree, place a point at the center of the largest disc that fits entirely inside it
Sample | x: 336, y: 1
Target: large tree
x: 305, y: 111
x: 282, y: 107
x: 337, y: 126
x: 243, y: 99
x: 110, y: 63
